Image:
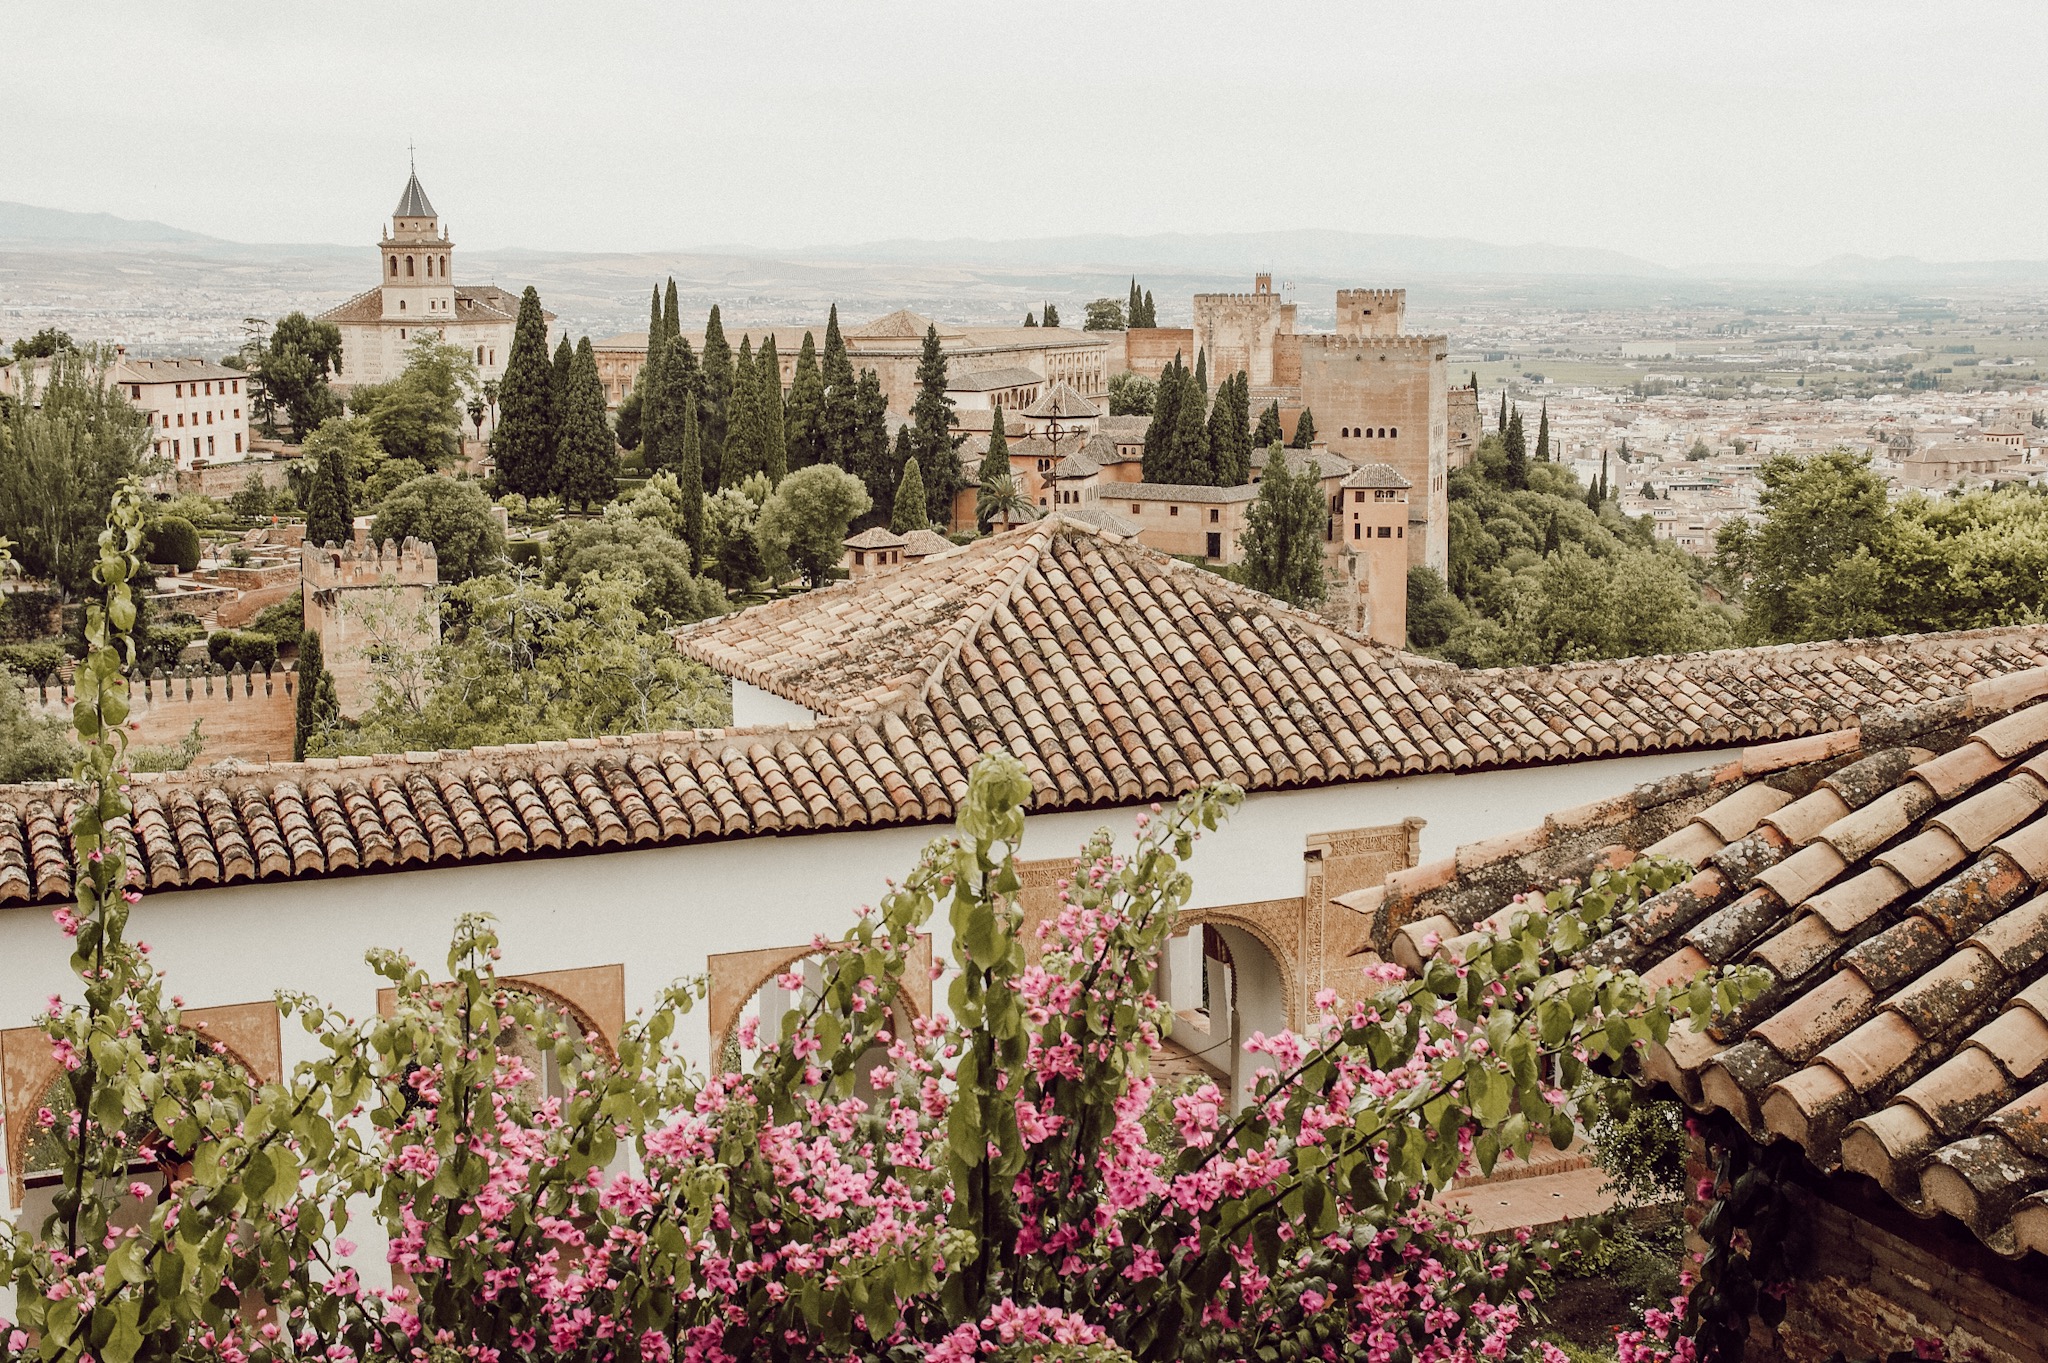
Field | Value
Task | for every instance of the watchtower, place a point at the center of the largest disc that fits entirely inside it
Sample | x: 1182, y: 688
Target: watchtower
x: 360, y: 600
x: 1371, y: 312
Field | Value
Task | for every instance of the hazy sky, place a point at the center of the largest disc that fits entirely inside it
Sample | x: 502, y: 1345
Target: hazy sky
x: 1780, y: 132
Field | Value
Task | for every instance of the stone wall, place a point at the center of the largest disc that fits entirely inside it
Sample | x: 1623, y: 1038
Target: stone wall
x: 1874, y: 1279
x: 1463, y: 426
x: 1148, y: 350
x: 246, y: 715
x: 225, y: 480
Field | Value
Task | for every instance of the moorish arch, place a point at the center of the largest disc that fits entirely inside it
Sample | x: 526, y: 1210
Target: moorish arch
x: 736, y: 977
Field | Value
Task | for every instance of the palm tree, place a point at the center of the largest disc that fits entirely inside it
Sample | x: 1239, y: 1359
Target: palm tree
x: 999, y: 498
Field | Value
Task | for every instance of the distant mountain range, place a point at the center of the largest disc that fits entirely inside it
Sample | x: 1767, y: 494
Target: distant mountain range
x: 1306, y: 254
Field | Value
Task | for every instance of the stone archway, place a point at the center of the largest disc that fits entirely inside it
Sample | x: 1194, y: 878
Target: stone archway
x: 737, y: 976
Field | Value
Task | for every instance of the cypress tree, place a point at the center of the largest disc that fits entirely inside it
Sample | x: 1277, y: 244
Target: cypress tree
x: 1158, y: 464
x: 523, y: 444
x: 1051, y: 315
x: 1151, y: 312
x: 329, y: 517
x: 1283, y: 533
x: 1305, y: 429
x: 1502, y: 424
x: 742, y: 424
x: 931, y: 428
x: 995, y: 464
x: 713, y: 398
x: 306, y: 715
x: 1202, y: 372
x: 661, y: 413
x: 870, y: 448
x: 804, y: 414
x: 558, y: 407
x: 657, y: 335
x: 1030, y: 320
x: 671, y: 320
x: 1518, y: 452
x: 1543, y: 434
x: 840, y: 407
x: 1190, y: 449
x: 768, y: 421
x: 590, y: 456
x: 907, y: 509
x: 1230, y: 432
x: 1268, y: 433
x: 1135, y: 309
x: 690, y: 477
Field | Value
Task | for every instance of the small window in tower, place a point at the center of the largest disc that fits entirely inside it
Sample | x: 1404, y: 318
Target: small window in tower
x: 444, y: 267
x: 1393, y: 431
x: 394, y: 267
x: 1136, y: 509
x: 1173, y: 511
x: 1354, y: 529
x: 408, y: 267
x: 1214, y: 515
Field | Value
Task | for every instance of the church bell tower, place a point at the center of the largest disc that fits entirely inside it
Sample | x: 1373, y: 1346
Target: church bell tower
x: 418, y: 287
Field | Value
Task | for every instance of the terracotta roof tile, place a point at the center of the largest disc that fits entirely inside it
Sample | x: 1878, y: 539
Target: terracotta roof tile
x: 1904, y: 1030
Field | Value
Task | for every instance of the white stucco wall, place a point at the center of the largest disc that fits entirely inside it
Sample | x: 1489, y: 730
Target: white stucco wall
x: 752, y: 706
x: 661, y: 911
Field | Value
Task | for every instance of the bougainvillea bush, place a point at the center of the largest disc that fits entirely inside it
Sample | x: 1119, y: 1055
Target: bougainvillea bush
x: 1004, y: 1180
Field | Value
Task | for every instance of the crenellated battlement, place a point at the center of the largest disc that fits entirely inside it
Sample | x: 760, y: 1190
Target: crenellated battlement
x: 327, y: 567
x: 1376, y: 297
x: 1405, y: 345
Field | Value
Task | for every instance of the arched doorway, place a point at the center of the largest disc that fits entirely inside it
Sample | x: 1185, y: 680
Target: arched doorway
x: 1224, y: 983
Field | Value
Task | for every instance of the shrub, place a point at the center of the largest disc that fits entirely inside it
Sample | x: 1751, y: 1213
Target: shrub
x: 239, y: 556
x: 253, y: 500
x: 35, y: 661
x: 232, y: 648
x: 166, y: 643
x: 283, y: 620
x: 174, y: 540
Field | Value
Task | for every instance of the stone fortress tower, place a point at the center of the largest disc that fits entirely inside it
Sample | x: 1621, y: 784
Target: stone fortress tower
x: 1379, y: 394
x: 360, y: 598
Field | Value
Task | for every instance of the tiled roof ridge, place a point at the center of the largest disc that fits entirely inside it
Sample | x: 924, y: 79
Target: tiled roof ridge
x: 236, y: 774
x: 1013, y: 561
x: 1755, y: 656
x: 1033, y: 541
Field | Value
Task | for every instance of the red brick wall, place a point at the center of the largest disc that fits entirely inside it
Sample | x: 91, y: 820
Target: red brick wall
x: 1877, y: 1278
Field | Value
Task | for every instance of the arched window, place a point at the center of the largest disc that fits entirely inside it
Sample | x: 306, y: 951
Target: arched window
x: 444, y: 267
x: 408, y: 267
x: 1393, y: 430
x: 394, y: 267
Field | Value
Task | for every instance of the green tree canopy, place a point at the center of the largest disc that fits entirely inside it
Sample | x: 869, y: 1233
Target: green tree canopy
x: 1104, y: 314
x: 1229, y: 434
x: 1304, y: 430
x: 294, y: 369
x: 174, y: 540
x: 340, y: 453
x: 669, y: 591
x: 525, y: 440
x: 714, y: 399
x: 932, y: 441
x: 1283, y: 533
x: 456, y: 518
x: 873, y: 460
x: 1051, y: 316
x: 839, y: 403
x: 589, y: 461
x: 1131, y: 395
x: 1267, y: 434
x: 907, y: 511
x: 1162, y: 456
x: 804, y: 414
x: 804, y: 522
x: 768, y: 413
x: 33, y: 747
x: 732, y: 552
x: 69, y: 440
x: 743, y: 456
